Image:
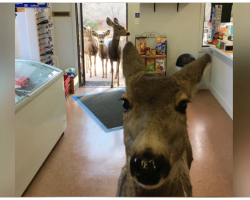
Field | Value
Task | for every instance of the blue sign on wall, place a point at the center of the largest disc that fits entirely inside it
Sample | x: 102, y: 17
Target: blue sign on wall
x: 137, y: 15
x: 32, y: 5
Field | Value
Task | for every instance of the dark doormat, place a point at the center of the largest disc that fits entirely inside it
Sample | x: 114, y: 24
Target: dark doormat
x: 104, y: 108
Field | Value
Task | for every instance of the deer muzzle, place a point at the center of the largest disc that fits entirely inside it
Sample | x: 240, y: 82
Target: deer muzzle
x: 148, y: 169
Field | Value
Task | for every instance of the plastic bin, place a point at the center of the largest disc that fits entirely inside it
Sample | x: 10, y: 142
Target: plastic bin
x: 66, y: 91
x: 66, y: 81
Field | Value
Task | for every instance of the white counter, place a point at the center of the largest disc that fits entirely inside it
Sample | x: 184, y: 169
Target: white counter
x: 221, y: 78
x: 228, y: 55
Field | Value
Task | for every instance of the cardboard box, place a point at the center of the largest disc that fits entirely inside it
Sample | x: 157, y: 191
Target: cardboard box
x: 74, y: 84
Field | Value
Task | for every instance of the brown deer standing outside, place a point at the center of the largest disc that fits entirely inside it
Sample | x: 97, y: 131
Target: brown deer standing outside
x: 158, y: 150
x: 102, y: 49
x: 114, y: 49
x: 90, y: 47
x: 122, y: 44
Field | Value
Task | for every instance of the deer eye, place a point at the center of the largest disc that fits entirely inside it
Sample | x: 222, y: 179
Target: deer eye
x: 125, y: 104
x: 119, y: 28
x: 182, y: 106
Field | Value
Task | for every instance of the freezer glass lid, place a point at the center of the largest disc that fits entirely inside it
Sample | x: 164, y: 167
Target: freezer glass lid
x: 19, y: 97
x: 30, y: 75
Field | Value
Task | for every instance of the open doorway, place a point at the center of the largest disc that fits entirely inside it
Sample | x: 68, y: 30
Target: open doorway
x: 92, y: 16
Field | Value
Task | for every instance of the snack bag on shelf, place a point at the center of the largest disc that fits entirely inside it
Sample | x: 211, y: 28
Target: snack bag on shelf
x: 161, y: 45
x: 159, y: 65
x: 141, y: 45
x: 150, y: 64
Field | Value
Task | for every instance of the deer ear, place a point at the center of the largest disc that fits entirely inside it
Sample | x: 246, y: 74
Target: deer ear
x: 107, y: 32
x: 116, y: 21
x: 94, y: 34
x: 193, y: 72
x: 109, y: 22
x: 132, y: 61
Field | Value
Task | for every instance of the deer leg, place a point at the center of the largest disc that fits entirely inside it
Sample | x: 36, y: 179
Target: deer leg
x: 90, y: 62
x: 122, y: 68
x: 117, y: 72
x: 110, y: 67
x: 111, y: 61
x: 102, y: 68
x: 95, y: 63
x: 117, y: 69
x: 87, y: 63
x: 106, y: 74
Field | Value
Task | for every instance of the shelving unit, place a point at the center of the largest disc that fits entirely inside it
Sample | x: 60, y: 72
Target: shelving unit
x: 154, y: 56
x: 154, y: 35
x: 44, y: 36
x: 31, y: 32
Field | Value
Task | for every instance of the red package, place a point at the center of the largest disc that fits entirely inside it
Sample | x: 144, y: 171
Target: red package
x: 21, y: 81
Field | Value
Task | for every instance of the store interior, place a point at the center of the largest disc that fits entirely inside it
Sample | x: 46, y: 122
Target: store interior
x: 66, y: 144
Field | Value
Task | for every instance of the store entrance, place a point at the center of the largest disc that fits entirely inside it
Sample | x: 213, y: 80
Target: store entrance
x: 92, y: 28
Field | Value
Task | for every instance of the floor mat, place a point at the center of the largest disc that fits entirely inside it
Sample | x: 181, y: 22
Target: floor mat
x: 105, y: 108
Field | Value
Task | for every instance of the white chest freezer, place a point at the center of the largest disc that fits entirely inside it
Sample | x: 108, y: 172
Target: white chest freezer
x: 40, y: 118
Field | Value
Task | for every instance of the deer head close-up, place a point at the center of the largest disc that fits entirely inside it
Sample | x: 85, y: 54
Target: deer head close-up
x: 158, y: 150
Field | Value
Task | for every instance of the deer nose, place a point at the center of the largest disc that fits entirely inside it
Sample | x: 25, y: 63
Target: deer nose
x: 128, y: 34
x: 148, y: 170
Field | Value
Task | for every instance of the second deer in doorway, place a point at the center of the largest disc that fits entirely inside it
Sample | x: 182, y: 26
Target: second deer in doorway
x: 114, y: 49
x: 102, y: 49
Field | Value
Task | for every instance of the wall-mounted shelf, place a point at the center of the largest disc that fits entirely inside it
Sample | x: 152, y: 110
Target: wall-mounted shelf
x: 177, y: 7
x: 153, y: 56
x: 154, y: 35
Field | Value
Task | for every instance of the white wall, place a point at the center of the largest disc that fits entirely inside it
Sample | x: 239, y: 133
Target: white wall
x: 7, y: 101
x: 181, y: 28
x: 17, y: 43
x: 65, y: 37
x: 23, y: 35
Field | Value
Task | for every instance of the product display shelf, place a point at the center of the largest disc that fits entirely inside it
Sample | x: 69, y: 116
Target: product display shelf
x: 154, y: 35
x: 154, y: 72
x: 153, y: 56
x: 44, y: 37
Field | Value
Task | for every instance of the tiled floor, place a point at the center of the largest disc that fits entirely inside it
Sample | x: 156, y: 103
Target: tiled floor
x: 87, y: 161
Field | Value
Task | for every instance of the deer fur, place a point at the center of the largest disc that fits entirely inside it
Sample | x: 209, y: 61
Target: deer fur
x: 102, y: 49
x: 114, y: 49
x: 122, y: 44
x: 90, y: 48
x: 154, y: 122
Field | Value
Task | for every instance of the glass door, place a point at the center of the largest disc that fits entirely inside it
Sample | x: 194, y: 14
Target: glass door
x: 95, y: 69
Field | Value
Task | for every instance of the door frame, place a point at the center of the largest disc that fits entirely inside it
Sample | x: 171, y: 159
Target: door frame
x: 80, y: 57
x: 82, y: 83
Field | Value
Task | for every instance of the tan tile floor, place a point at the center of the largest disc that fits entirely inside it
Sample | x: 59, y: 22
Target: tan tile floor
x: 87, y: 161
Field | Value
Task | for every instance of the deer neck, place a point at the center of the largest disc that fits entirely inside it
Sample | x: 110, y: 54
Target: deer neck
x: 91, y: 39
x: 115, y: 42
